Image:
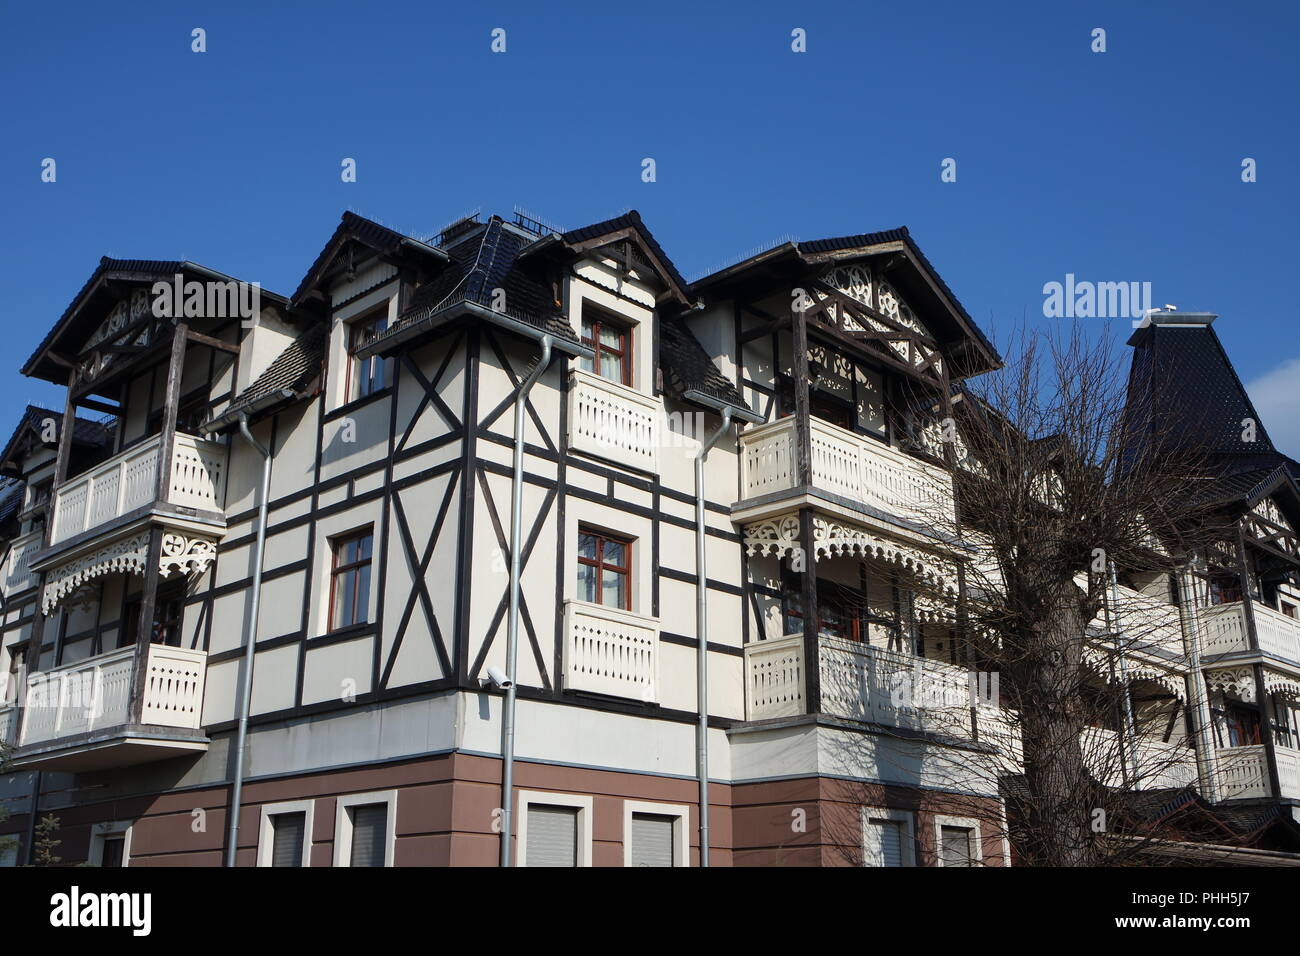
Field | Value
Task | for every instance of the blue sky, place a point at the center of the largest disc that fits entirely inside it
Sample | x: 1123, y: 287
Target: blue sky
x: 1115, y: 166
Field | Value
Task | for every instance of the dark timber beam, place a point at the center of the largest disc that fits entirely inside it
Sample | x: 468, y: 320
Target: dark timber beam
x: 213, y: 343
x: 811, y: 638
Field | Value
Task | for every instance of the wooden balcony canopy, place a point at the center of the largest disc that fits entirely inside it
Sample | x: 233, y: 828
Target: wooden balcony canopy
x: 110, y: 325
x: 951, y: 335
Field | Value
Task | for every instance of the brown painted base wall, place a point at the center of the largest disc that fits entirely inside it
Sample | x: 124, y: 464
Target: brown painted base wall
x: 447, y: 815
x: 817, y: 821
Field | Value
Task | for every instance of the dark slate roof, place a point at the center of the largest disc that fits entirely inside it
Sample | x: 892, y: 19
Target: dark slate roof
x: 81, y: 321
x: 297, y: 369
x: 156, y: 268
x: 365, y: 231
x: 630, y: 220
x: 687, y: 366
x: 11, y: 500
x: 1184, y: 397
x: 1154, y: 805
x: 84, y: 431
x: 482, y: 263
x: 1243, y: 486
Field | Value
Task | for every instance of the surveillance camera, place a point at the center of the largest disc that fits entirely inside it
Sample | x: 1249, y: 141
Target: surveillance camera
x: 497, y: 678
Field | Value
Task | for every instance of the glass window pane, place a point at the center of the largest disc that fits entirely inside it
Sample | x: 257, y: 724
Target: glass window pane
x: 362, y: 610
x: 614, y: 551
x: 610, y: 336
x: 610, y: 367
x: 363, y: 547
x: 587, y: 546
x: 586, y: 583
x: 588, y: 327
x: 586, y: 364
x: 343, y: 598
x: 612, y: 586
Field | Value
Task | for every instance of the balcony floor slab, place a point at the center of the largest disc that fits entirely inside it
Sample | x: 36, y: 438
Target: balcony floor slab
x: 122, y: 746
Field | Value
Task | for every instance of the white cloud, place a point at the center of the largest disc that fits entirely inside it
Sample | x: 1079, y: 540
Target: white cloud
x: 1276, y: 395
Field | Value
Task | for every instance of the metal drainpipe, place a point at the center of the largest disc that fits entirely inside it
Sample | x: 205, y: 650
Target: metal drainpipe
x: 701, y: 638
x: 250, y: 645
x: 1130, y: 731
x: 512, y: 625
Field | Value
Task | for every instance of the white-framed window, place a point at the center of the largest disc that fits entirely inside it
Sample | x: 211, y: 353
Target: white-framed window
x: 365, y: 829
x: 325, y: 614
x: 655, y: 834
x: 554, y: 829
x: 365, y: 376
x: 110, y: 844
x: 351, y: 378
x: 284, y: 838
x: 957, y: 841
x: 888, y: 837
x: 626, y: 578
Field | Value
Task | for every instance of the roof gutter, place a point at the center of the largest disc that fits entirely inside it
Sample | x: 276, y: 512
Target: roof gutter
x: 737, y: 412
x: 465, y: 307
x: 231, y: 417
x: 427, y: 249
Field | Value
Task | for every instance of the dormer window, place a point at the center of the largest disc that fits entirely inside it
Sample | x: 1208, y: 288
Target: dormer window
x: 366, y: 375
x: 611, y: 340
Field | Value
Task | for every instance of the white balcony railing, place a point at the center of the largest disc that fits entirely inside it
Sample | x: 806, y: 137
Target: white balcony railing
x: 18, y: 575
x: 608, y: 651
x: 7, y: 714
x: 613, y: 421
x: 774, y: 678
x: 95, y: 694
x: 846, y: 464
x: 1155, y: 764
x: 129, y: 480
x: 1223, y: 630
x: 1243, y: 772
x: 1148, y: 623
x: 860, y: 682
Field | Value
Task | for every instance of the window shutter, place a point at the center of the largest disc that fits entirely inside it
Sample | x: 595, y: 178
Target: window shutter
x: 369, y: 834
x: 552, y: 836
x: 955, y: 846
x: 652, y: 839
x: 288, y: 829
x: 884, y: 842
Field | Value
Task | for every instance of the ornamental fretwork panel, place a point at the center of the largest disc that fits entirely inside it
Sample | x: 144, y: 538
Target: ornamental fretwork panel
x: 70, y: 583
x: 854, y: 301
x: 130, y: 328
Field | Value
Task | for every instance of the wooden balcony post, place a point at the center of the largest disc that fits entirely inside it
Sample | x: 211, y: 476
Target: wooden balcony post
x: 802, y: 404
x: 811, y: 644
x: 65, y: 447
x: 144, y: 633
x: 1252, y: 636
x: 167, y: 437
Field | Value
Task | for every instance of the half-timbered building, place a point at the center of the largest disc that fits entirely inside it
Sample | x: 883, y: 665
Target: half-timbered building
x: 287, y: 586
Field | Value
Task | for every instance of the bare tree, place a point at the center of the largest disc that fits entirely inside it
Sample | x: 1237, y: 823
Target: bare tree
x: 1059, y: 486
x: 1060, y: 491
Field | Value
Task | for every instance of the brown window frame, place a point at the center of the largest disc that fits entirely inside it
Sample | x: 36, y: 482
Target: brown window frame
x: 600, y: 318
x: 337, y: 543
x: 354, y: 380
x: 601, y: 566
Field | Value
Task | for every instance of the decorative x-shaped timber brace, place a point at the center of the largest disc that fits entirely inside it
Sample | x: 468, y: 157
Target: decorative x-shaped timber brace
x: 534, y: 530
